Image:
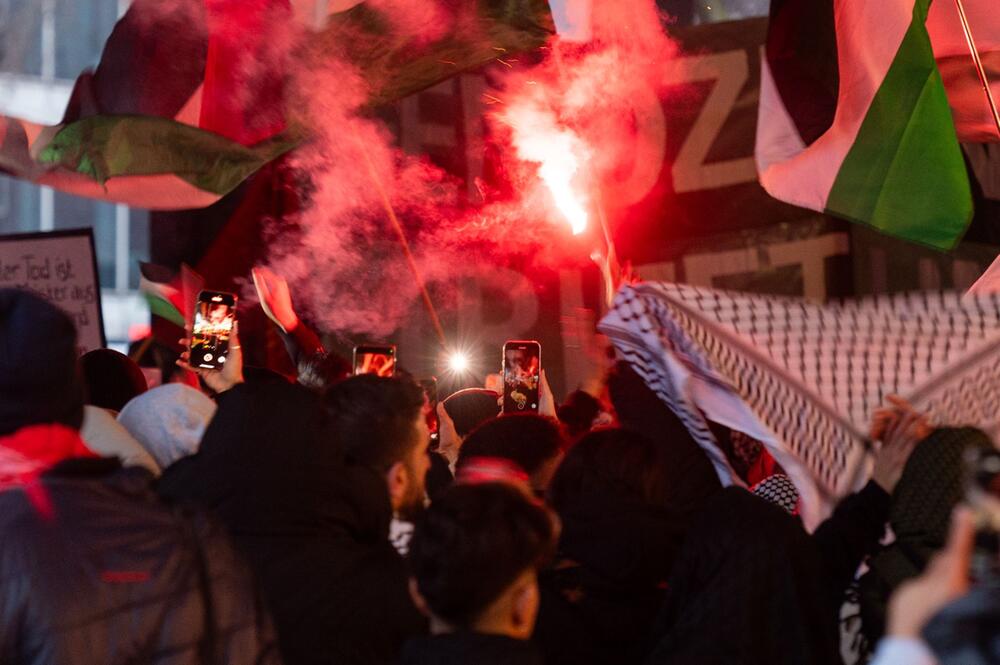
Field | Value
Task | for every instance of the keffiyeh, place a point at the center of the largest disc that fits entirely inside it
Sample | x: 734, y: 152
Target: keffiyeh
x: 804, y: 378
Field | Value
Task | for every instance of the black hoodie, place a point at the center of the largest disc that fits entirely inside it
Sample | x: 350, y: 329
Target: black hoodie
x: 599, y: 601
x: 314, y: 527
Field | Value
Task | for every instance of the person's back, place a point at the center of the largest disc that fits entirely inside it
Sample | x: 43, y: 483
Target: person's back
x: 748, y: 586
x: 312, y: 519
x: 619, y: 540
x: 95, y: 568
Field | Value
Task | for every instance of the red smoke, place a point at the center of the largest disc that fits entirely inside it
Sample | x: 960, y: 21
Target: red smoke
x: 565, y: 129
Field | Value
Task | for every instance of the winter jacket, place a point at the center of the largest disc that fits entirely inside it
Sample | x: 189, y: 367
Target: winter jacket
x: 467, y: 648
x: 315, y: 528
x: 96, y: 569
x: 751, y: 586
x: 599, y: 602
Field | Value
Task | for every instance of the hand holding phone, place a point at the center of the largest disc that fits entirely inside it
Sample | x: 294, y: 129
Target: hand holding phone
x: 224, y: 378
x: 214, y: 320
x: 522, y: 368
x: 430, y: 387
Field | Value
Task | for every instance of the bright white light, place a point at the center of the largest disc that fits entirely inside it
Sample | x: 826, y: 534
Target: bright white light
x: 458, y: 362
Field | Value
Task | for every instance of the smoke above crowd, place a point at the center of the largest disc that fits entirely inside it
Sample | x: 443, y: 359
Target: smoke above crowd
x: 562, y: 129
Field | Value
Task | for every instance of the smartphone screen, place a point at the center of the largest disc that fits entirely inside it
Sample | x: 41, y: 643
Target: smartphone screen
x: 430, y: 387
x: 378, y: 360
x: 214, y: 317
x: 522, y: 367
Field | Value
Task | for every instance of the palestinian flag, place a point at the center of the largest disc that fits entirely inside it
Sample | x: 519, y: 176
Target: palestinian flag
x: 188, y: 98
x: 171, y: 296
x: 854, y: 120
x: 177, y: 113
x: 472, y: 33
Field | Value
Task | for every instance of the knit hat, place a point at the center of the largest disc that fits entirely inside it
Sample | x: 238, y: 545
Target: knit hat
x: 111, y: 378
x: 105, y: 436
x: 471, y: 407
x: 39, y: 382
x: 169, y: 421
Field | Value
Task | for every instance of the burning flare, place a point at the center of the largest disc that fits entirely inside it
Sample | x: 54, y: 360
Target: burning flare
x: 558, y: 151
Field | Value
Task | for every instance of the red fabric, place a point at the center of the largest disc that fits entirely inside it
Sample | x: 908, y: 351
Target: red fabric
x: 763, y: 468
x: 241, y: 97
x: 30, y: 451
x: 490, y: 470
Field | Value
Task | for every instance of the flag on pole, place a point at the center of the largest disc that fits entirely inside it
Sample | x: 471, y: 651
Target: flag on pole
x: 969, y: 107
x: 804, y: 378
x: 854, y: 120
x: 171, y: 295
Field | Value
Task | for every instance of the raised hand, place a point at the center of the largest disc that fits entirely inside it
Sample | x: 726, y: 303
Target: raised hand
x: 900, y: 428
x: 275, y: 298
x: 449, y: 442
x: 219, y: 380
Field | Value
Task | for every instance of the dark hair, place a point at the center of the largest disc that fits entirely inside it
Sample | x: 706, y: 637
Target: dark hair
x: 39, y: 378
x: 319, y: 371
x: 615, y: 462
x: 577, y: 413
x: 472, y: 543
x: 111, y: 379
x: 471, y: 407
x: 372, y: 418
x: 527, y: 440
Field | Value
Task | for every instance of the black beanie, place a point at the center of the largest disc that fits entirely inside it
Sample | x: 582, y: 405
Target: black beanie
x: 111, y: 379
x: 39, y: 382
x: 471, y: 407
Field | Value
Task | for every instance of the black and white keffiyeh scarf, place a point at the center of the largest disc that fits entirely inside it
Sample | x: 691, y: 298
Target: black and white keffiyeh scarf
x: 804, y: 378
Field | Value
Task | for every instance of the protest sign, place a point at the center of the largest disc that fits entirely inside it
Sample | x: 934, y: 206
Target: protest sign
x: 60, y: 266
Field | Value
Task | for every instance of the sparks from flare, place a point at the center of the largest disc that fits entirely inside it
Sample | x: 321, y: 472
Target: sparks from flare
x: 558, y: 151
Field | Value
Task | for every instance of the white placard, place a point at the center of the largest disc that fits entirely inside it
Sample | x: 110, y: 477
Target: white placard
x: 60, y: 266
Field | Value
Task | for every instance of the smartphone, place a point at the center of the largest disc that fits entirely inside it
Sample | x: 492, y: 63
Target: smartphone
x: 214, y: 318
x: 430, y: 387
x: 378, y: 360
x: 522, y: 371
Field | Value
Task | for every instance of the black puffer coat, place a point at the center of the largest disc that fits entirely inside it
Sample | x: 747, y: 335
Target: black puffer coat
x: 94, y: 568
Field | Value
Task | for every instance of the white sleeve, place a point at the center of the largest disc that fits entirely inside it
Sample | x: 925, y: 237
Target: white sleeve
x: 903, y: 651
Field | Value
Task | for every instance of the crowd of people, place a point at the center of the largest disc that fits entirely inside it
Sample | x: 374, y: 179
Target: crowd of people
x: 237, y: 516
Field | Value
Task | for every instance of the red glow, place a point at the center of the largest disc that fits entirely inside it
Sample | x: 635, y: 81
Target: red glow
x: 538, y: 138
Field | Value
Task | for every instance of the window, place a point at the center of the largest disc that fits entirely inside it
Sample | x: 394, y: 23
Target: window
x: 21, y: 36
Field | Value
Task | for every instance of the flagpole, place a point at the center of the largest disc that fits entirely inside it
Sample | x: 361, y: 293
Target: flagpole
x: 401, y: 235
x: 977, y: 61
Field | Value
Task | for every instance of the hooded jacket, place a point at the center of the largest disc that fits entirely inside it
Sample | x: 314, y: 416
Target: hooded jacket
x: 599, y: 602
x: 749, y: 587
x: 315, y: 528
x: 96, y: 569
